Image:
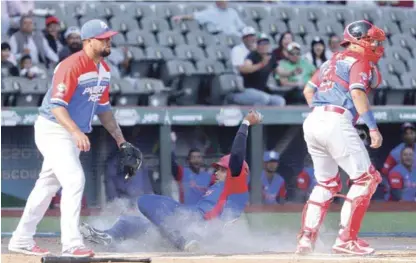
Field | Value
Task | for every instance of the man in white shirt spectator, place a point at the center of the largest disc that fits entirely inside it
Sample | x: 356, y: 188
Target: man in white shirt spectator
x: 27, y: 42
x: 240, y: 52
x: 218, y: 18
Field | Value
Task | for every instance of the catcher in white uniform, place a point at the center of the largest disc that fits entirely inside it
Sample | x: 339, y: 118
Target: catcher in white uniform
x: 338, y: 95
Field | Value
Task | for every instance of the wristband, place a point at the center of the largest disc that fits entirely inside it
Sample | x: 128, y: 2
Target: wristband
x: 369, y: 120
x: 246, y: 122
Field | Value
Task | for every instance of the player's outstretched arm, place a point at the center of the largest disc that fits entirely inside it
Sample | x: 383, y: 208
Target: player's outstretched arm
x: 110, y: 124
x: 238, y: 149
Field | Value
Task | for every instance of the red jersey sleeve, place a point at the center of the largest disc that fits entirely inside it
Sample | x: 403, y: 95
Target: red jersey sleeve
x: 359, y: 75
x: 388, y: 165
x: 65, y: 81
x: 315, y: 81
x: 282, y: 191
x: 302, y: 181
x: 396, y: 180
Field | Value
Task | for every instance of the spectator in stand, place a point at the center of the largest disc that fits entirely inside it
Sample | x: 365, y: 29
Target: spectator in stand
x: 8, y: 64
x: 52, y: 34
x: 409, y: 139
x: 27, y: 42
x: 116, y: 187
x: 218, y: 18
x: 316, y: 55
x: 12, y: 12
x: 256, y: 70
x: 193, y: 180
x: 281, y: 51
x: 240, y: 52
x: 30, y: 71
x: 333, y: 45
x: 305, y: 181
x: 73, y: 42
x: 402, y: 177
x: 119, y: 62
x: 273, y: 184
x: 302, y: 69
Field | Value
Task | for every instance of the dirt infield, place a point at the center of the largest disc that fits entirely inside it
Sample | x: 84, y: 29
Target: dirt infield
x: 389, y: 250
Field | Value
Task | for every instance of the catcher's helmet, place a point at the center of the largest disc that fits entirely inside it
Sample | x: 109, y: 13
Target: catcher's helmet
x: 366, y: 35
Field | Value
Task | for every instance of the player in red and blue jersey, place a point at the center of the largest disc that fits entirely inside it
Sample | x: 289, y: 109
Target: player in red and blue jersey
x: 192, y: 180
x: 402, y: 178
x: 409, y: 140
x: 224, y: 200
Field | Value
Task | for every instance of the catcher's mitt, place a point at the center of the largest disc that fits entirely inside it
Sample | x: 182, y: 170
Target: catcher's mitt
x: 130, y: 160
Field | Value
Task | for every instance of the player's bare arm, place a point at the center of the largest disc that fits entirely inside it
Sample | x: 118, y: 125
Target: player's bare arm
x: 110, y: 124
x: 308, y: 92
x: 62, y: 115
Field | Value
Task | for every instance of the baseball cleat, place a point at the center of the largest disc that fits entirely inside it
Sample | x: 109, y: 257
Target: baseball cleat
x: 351, y: 247
x: 304, y: 246
x: 362, y: 243
x: 94, y: 235
x: 79, y: 252
x: 32, y: 250
x: 191, y: 246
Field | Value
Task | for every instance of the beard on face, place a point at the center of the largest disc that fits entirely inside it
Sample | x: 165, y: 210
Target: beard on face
x: 75, y: 47
x: 105, y: 53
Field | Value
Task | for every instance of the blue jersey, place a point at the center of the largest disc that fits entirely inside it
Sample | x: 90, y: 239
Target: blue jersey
x: 401, y: 178
x: 335, y: 79
x: 274, y: 189
x: 193, y: 186
x: 80, y: 86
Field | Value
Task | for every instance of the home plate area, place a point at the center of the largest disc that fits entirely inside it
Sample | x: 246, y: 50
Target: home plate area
x: 402, y: 250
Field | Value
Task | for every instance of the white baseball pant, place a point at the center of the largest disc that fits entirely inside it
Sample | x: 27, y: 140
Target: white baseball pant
x: 61, y: 168
x: 333, y: 141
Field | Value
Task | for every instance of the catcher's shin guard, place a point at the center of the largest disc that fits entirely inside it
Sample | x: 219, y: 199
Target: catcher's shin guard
x: 315, y: 211
x: 357, y: 202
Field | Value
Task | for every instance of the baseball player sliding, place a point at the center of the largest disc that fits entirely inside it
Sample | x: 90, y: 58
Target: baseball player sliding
x: 80, y: 89
x: 224, y: 200
x: 338, y: 95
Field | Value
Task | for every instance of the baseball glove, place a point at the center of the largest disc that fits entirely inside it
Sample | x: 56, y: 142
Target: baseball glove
x: 131, y: 159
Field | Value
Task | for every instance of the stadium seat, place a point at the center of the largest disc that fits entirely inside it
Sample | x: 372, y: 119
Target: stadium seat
x: 309, y: 38
x: 139, y: 11
x: 209, y: 67
x: 118, y: 40
x: 123, y: 25
x: 184, y: 27
x: 31, y: 92
x: 141, y: 38
x: 252, y: 23
x: 311, y: 14
x: 389, y: 27
x: 154, y: 24
x: 393, y: 66
x: 227, y: 40
x: 395, y: 15
x: 344, y: 16
x: 222, y: 85
x: 366, y: 14
x: 114, y: 90
x: 283, y: 13
x: 302, y: 27
x: 140, y: 65
x: 153, y: 92
x: 122, y: 10
x: 327, y: 27
x: 220, y: 53
x: 103, y: 11
x: 409, y: 80
x: 182, y: 77
x: 159, y: 53
x: 272, y: 27
x: 255, y: 13
x: 67, y: 21
x: 188, y: 52
x: 194, y: 7
x: 404, y: 41
x: 398, y: 54
x: 170, y: 39
x: 166, y: 11
x: 412, y: 65
x: 9, y: 91
x: 200, y: 39
x: 409, y: 27
x: 129, y: 93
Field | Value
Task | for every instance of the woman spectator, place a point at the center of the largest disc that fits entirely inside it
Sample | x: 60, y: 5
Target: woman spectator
x: 30, y: 71
x: 281, y: 51
x: 317, y: 54
x: 52, y: 34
